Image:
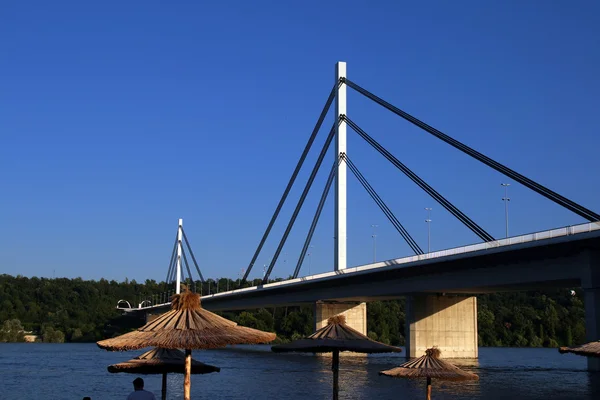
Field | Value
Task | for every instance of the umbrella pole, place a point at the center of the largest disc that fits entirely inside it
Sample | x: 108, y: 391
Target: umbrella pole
x: 428, y: 393
x: 335, y: 367
x: 187, y: 381
x: 164, y: 386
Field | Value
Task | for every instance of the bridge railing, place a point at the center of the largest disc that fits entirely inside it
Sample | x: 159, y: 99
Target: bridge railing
x: 145, y: 301
x: 527, y: 238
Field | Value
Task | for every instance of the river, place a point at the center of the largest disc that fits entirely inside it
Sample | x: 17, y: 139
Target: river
x: 72, y: 371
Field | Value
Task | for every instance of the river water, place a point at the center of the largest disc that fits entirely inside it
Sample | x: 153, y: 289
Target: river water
x: 72, y: 371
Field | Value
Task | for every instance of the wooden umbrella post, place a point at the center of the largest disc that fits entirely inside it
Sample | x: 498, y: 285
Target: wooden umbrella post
x: 428, y: 393
x: 187, y: 379
x: 335, y: 367
x: 164, y: 386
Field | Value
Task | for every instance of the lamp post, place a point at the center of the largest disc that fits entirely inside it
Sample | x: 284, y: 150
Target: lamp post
x: 428, y: 221
x: 506, y: 199
x: 240, y: 277
x: 374, y: 236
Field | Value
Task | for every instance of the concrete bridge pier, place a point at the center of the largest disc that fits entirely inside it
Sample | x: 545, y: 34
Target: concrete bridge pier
x: 590, y: 283
x: 448, y: 322
x: 355, y: 312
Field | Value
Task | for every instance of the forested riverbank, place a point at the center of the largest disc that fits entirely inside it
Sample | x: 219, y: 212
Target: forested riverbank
x: 77, y: 310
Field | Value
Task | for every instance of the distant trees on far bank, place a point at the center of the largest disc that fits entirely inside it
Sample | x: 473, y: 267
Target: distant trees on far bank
x: 51, y: 335
x: 12, y: 331
x: 75, y: 310
x: 531, y: 319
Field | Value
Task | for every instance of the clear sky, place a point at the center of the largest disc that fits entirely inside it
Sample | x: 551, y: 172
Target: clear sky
x: 119, y: 117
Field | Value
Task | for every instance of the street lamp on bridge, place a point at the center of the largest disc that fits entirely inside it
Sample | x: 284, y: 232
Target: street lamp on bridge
x: 240, y: 276
x: 374, y: 236
x: 428, y: 221
x: 506, y: 199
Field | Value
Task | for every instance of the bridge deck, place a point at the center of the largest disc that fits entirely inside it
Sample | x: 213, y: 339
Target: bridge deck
x: 568, y: 233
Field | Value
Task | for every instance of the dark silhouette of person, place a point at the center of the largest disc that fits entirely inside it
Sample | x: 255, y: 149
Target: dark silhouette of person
x: 138, y: 391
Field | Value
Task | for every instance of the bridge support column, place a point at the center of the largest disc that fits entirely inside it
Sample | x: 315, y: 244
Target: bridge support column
x: 591, y: 288
x: 355, y: 312
x: 447, y: 322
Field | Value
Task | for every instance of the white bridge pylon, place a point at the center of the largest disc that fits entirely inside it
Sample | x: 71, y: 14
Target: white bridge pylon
x: 339, y: 262
x: 179, y: 236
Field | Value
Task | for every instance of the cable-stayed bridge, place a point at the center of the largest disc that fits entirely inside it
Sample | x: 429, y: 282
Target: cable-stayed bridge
x: 441, y: 308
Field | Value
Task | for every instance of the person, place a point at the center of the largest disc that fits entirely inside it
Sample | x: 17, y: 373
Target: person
x: 138, y: 391
x: 87, y: 398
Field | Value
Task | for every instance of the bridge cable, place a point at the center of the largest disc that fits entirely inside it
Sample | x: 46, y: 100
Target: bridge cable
x: 183, y: 278
x: 174, y: 271
x: 187, y: 266
x: 403, y: 232
x: 169, y: 273
x: 301, y: 201
x: 422, y: 184
x: 192, y: 254
x: 292, y: 179
x: 544, y: 191
x: 174, y: 268
x: 386, y: 210
x: 315, y: 220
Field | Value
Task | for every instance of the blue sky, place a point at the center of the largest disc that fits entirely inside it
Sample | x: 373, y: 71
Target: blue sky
x: 118, y: 118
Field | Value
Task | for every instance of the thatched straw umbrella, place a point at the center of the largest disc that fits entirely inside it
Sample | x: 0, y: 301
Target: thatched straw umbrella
x: 430, y: 366
x: 591, y: 349
x: 336, y: 336
x: 161, y: 361
x: 187, y: 326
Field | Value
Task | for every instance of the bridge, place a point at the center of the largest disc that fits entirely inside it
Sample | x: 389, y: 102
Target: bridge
x: 440, y: 286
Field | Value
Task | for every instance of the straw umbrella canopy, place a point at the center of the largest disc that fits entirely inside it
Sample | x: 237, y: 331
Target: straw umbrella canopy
x: 430, y: 366
x: 187, y: 326
x: 161, y: 361
x: 336, y: 336
x: 591, y: 349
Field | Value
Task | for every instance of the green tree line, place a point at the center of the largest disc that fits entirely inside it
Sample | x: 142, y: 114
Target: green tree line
x: 77, y: 310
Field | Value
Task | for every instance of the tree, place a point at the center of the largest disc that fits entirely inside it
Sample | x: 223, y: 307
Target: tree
x: 76, y: 335
x: 12, y: 331
x: 85, y: 311
x: 569, y: 336
x: 249, y: 320
x: 50, y: 335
